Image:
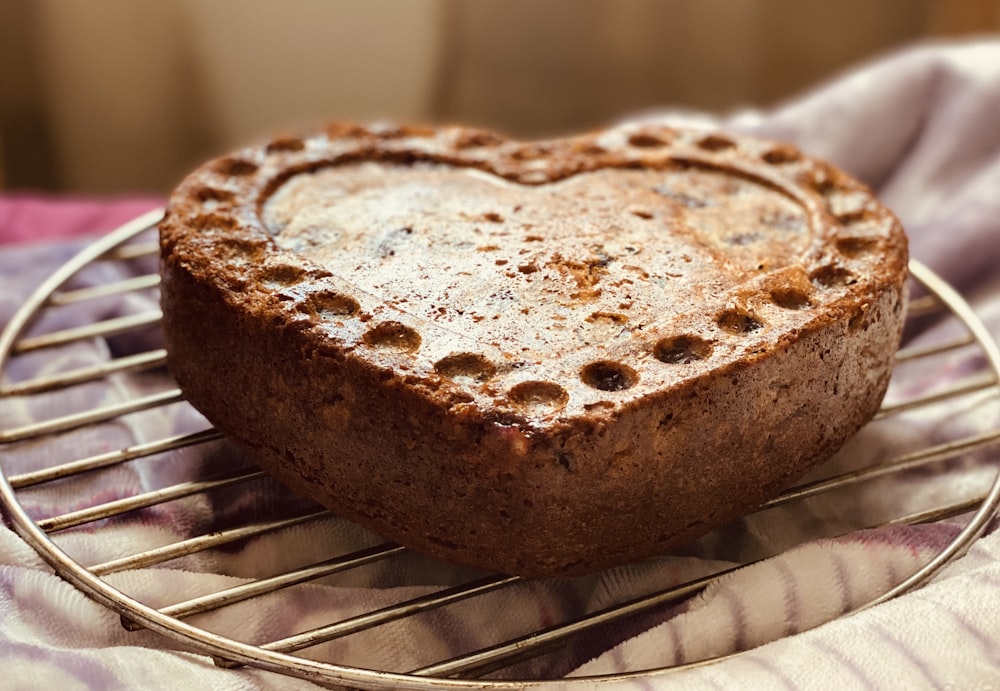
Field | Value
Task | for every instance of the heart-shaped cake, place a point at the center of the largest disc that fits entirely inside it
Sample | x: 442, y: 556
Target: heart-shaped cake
x: 537, y: 358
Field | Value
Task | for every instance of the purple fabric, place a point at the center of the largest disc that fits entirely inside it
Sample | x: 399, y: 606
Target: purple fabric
x: 920, y: 128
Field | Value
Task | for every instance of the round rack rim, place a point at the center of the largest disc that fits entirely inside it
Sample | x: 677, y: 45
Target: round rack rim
x: 322, y: 672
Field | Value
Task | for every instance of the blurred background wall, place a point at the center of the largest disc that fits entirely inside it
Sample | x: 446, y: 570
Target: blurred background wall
x: 116, y: 96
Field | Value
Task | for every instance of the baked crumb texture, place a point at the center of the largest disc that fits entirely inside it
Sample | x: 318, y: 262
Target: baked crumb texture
x: 536, y: 358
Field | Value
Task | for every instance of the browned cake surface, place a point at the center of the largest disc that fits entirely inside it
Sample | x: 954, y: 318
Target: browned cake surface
x: 540, y: 358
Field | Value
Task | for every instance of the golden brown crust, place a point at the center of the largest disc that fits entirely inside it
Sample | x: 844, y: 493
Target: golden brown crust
x: 585, y: 352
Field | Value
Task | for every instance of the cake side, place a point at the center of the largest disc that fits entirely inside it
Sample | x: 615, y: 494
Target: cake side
x: 589, y: 492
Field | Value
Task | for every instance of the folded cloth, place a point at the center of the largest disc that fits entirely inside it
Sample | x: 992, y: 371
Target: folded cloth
x: 919, y: 127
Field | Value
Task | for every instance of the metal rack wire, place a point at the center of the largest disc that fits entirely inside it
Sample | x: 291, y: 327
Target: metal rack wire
x: 135, y: 241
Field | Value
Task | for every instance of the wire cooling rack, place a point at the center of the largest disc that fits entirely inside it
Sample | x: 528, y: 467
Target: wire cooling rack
x: 136, y: 241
